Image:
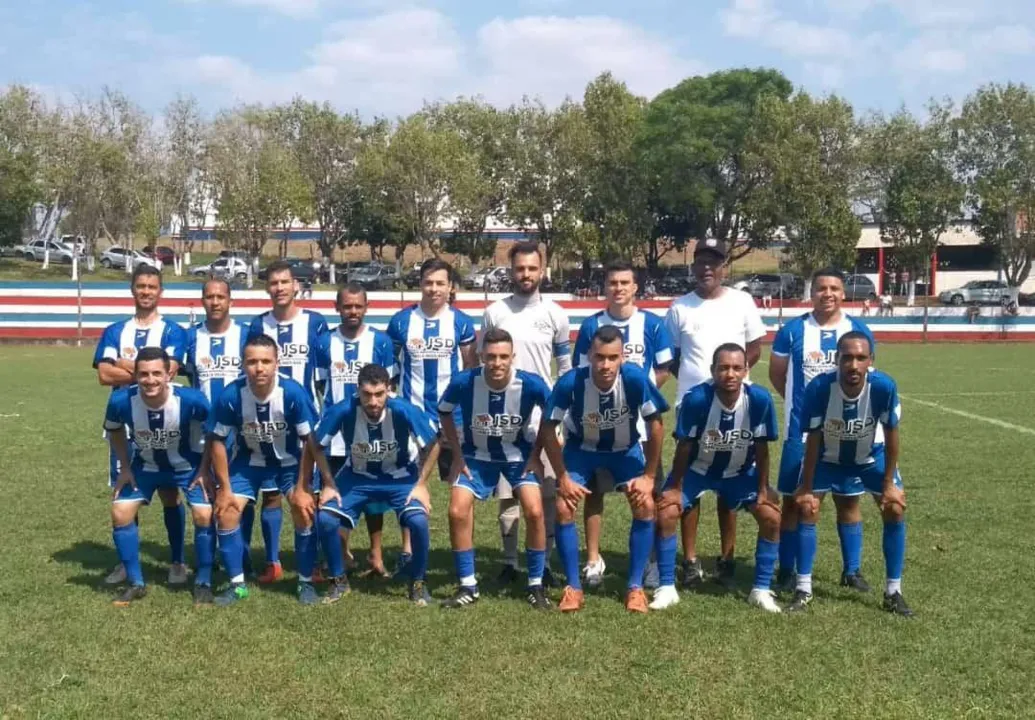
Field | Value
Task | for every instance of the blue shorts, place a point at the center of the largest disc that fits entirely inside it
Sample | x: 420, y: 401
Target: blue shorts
x: 736, y: 493
x: 148, y: 483
x: 486, y: 476
x: 248, y: 482
x: 338, y: 470
x: 358, y: 493
x: 623, y: 466
x: 790, y: 466
x: 852, y: 480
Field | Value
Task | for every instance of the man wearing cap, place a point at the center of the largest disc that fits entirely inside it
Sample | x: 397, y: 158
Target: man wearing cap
x: 699, y: 322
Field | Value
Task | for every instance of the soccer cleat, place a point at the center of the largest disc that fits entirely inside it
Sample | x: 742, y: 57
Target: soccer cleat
x: 785, y: 580
x: 855, y: 581
x: 463, y: 597
x: 127, y: 596
x: 178, y: 573
x: 691, y: 574
x: 572, y: 601
x: 419, y: 594
x: 651, y: 577
x: 236, y: 591
x: 593, y: 573
x: 665, y: 597
x: 271, y: 574
x: 764, y: 599
x: 339, y: 589
x: 548, y: 578
x: 203, y: 595
x: 537, y: 598
x: 307, y: 593
x: 508, y: 575
x: 117, y: 576
x: 636, y: 601
x: 896, y: 605
x: 800, y: 601
x: 725, y: 576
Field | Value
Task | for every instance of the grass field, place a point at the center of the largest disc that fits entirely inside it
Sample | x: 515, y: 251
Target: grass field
x: 66, y: 652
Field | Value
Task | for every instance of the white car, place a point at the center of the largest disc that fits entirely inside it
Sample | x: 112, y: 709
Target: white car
x: 225, y: 267
x: 492, y: 276
x: 115, y: 257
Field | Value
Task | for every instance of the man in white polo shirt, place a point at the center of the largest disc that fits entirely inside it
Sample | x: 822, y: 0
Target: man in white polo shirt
x: 699, y: 322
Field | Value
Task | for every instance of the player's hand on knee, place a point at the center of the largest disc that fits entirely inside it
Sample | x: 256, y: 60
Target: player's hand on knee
x: 570, y: 491
x: 768, y: 499
x: 421, y: 494
x: 200, y: 481
x: 642, y: 488
x: 125, y: 478
x: 224, y: 504
x: 891, y: 497
x: 304, y: 502
x: 807, y: 503
x: 329, y: 494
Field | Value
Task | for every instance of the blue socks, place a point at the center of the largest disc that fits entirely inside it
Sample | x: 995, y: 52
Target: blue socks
x: 665, y: 550
x: 271, y: 519
x: 568, y: 548
x: 127, y: 545
x: 204, y: 553
x: 247, y: 524
x: 420, y: 540
x: 766, y: 552
x: 535, y: 561
x: 851, y: 537
x: 788, y: 549
x: 176, y: 527
x: 894, y: 549
x: 329, y: 524
x: 463, y: 561
x: 806, y: 548
x: 641, y: 539
x: 305, y: 552
x: 231, y: 552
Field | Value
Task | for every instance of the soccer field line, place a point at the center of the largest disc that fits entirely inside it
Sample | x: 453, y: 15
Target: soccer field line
x: 970, y: 416
x: 975, y: 393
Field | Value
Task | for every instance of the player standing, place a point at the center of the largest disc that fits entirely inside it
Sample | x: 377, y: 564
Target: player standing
x: 646, y: 344
x: 167, y: 427
x: 699, y: 322
x: 114, y: 361
x: 301, y: 336
x: 803, y: 349
x: 599, y: 406
x: 844, y: 455
x: 723, y: 431
x: 540, y: 331
x: 501, y: 409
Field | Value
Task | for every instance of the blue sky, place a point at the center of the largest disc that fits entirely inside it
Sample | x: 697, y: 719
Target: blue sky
x: 385, y: 57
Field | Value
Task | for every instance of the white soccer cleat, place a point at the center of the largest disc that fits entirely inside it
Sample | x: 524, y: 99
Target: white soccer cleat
x: 116, y: 576
x: 593, y: 573
x: 178, y: 574
x: 664, y: 597
x: 764, y: 599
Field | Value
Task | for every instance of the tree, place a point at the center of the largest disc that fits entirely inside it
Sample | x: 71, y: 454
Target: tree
x: 995, y: 149
x: 186, y: 135
x: 22, y: 117
x: 372, y: 219
x: 695, y: 149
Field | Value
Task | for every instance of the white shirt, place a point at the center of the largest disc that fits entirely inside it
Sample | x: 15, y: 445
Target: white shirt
x: 698, y: 326
x: 540, y: 331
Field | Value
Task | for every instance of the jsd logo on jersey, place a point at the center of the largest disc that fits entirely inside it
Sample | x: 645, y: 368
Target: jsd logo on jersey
x: 224, y: 365
x: 607, y: 419
x: 156, y: 439
x: 715, y: 440
x: 264, y: 431
x: 431, y: 348
x: 129, y: 353
x: 375, y: 450
x: 818, y: 361
x: 346, y: 371
x: 849, y: 429
x: 496, y: 425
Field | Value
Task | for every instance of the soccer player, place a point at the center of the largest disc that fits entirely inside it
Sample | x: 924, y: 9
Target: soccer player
x: 699, y: 322
x: 843, y: 412
x: 167, y: 427
x: 301, y: 338
x: 646, y: 344
x: 385, y: 439
x: 723, y: 433
x: 599, y: 406
x: 540, y: 331
x: 803, y: 349
x: 272, y: 417
x: 501, y: 408
x: 354, y: 345
x: 114, y: 362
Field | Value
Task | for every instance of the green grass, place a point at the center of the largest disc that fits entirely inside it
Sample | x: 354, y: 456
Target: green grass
x: 66, y: 652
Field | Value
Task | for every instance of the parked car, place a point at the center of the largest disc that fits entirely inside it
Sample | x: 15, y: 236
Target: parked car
x: 163, y: 252
x: 1026, y: 299
x: 375, y: 277
x: 228, y: 267
x: 115, y: 256
x: 982, y: 292
x: 494, y: 276
x: 859, y: 287
x: 35, y: 249
x: 772, y: 284
x: 303, y: 270
x: 412, y: 279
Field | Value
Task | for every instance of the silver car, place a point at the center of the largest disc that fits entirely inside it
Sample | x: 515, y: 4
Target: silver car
x: 981, y: 292
x: 59, y: 251
x: 115, y: 257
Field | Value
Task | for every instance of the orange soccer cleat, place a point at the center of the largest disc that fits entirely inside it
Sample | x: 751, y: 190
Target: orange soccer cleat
x: 271, y: 574
x: 572, y: 600
x: 636, y: 601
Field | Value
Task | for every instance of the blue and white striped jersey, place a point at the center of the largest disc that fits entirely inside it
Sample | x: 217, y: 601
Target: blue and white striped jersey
x: 646, y: 340
x: 268, y: 429
x: 429, y: 352
x: 122, y: 340
x: 604, y: 420
x: 214, y: 360
x: 385, y: 450
x: 497, y: 425
x: 302, y: 342
x: 852, y: 428
x: 167, y: 439
x: 812, y: 351
x: 725, y: 436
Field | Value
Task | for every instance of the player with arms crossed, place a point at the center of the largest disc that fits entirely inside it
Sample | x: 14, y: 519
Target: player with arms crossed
x: 114, y: 361
x: 803, y: 349
x: 271, y: 417
x: 843, y: 412
x: 386, y: 440
x: 723, y: 433
x: 646, y: 344
x: 540, y: 331
x: 501, y: 408
x: 599, y: 406
x: 167, y: 427
x: 301, y: 338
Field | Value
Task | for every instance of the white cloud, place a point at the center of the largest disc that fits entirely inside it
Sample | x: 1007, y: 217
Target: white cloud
x: 299, y: 9
x: 759, y: 20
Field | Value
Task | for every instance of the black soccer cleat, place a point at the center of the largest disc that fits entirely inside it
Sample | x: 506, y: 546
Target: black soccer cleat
x: 855, y: 581
x: 128, y: 595
x: 800, y: 602
x: 203, y: 595
x: 463, y: 597
x: 896, y: 605
x: 691, y: 576
x: 508, y: 575
x: 339, y: 588
x: 725, y: 575
x: 418, y: 594
x: 537, y: 598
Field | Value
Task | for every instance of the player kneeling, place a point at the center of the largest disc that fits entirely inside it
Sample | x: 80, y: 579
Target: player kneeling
x: 500, y: 409
x: 599, y: 406
x: 167, y: 425
x: 385, y: 439
x: 723, y: 431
